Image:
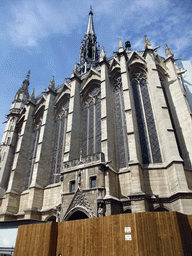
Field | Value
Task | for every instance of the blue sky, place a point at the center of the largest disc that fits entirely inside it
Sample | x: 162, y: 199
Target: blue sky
x: 45, y: 36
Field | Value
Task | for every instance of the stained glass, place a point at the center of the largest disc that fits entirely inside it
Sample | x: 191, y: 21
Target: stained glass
x: 123, y: 150
x: 59, y: 143
x: 91, y: 125
x: 170, y: 114
x: 32, y: 156
x: 138, y: 81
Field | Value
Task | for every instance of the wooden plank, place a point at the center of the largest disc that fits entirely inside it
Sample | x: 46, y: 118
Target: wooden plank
x: 140, y: 234
x: 115, y: 235
x: 98, y: 222
x: 107, y: 239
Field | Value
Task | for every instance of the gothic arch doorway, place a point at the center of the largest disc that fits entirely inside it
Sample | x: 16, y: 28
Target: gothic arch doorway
x: 161, y: 209
x: 78, y: 215
x: 51, y: 219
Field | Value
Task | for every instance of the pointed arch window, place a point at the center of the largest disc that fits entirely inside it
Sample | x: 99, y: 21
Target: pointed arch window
x: 33, y: 153
x: 163, y: 84
x: 121, y: 127
x: 91, y: 124
x: 59, y: 142
x: 149, y: 143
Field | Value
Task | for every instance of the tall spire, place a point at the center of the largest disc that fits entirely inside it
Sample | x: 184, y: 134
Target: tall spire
x: 90, y: 27
x: 89, y: 51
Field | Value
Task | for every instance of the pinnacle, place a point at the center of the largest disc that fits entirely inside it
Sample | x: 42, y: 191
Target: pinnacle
x: 120, y: 45
x: 103, y: 54
x: 147, y: 43
x: 168, y: 52
x: 32, y: 96
x: 52, y: 84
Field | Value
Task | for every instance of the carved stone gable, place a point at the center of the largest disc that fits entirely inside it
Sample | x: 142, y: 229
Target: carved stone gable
x: 79, y: 201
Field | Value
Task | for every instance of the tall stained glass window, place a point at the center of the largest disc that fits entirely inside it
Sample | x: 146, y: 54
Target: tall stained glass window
x: 149, y: 143
x: 33, y: 154
x: 163, y: 84
x: 91, y: 126
x: 121, y: 127
x: 59, y: 143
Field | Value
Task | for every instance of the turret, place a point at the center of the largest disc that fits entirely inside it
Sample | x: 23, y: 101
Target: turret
x: 10, y: 135
x: 21, y: 97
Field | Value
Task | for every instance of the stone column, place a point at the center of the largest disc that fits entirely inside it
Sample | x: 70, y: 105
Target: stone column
x: 107, y: 127
x: 72, y: 146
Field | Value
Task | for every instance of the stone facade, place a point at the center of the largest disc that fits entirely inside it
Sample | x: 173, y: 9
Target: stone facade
x: 114, y: 138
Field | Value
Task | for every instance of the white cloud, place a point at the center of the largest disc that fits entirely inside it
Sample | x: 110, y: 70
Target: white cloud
x: 38, y: 19
x: 164, y: 21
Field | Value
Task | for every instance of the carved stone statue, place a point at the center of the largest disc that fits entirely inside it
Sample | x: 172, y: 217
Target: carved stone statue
x: 100, y: 211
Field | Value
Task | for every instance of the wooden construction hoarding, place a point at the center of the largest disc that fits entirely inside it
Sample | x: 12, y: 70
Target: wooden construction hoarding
x: 163, y: 233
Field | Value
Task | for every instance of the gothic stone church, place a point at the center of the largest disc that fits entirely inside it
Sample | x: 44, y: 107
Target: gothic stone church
x: 114, y: 138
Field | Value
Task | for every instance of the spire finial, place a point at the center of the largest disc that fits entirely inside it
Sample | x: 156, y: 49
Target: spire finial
x: 147, y: 43
x: 91, y: 10
x: 103, y: 54
x: 90, y: 27
x: 28, y: 74
x: 32, y: 96
x: 52, y: 84
x: 121, y: 49
x: 168, y: 52
x: 26, y: 81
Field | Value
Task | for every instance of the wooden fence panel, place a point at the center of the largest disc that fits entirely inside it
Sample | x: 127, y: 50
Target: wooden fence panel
x: 36, y: 240
x: 159, y: 233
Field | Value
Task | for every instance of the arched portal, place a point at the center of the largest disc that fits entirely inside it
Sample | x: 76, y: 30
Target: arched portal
x: 78, y: 215
x: 51, y: 219
x: 160, y: 209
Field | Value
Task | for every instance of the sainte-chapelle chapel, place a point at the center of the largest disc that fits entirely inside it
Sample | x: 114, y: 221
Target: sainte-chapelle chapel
x: 114, y: 138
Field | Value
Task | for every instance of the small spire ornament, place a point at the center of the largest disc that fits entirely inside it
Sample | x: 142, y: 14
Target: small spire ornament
x: 52, y: 84
x: 102, y: 54
x: 168, y: 52
x: 121, y: 49
x: 147, y: 43
x: 32, y: 96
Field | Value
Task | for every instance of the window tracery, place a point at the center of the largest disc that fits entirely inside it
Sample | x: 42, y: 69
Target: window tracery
x: 149, y: 143
x: 59, y: 142
x: 163, y: 84
x: 121, y: 126
x: 91, y: 125
x: 33, y: 153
